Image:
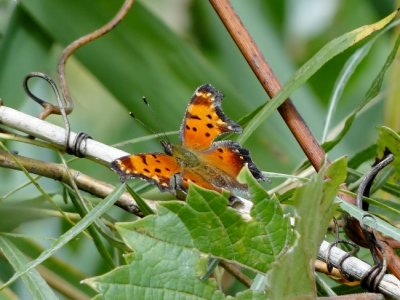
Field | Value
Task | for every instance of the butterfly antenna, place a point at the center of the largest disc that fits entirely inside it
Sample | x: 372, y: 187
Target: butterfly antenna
x: 141, y: 123
x: 163, y: 132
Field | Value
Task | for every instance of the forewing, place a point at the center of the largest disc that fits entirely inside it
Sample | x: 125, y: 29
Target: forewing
x: 204, y: 119
x: 156, y: 168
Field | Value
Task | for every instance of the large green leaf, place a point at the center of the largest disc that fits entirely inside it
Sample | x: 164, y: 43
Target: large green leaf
x: 314, y: 205
x: 22, y: 50
x: 170, y: 248
x: 208, y: 224
x: 157, y: 270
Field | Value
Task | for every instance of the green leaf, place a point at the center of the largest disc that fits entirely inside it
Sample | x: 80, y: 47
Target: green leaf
x: 362, y: 156
x: 208, y: 224
x: 37, y: 286
x: 156, y: 270
x: 341, y: 82
x: 159, y: 270
x: 92, y: 229
x: 376, y: 223
x: 314, y: 206
x: 171, y: 248
x: 389, y: 139
x: 144, y: 208
x: 329, y: 51
x: 372, y: 92
x: 249, y: 295
x: 21, y: 51
x: 96, y: 212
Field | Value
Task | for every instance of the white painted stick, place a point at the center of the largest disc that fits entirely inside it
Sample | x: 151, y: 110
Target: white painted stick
x: 389, y: 286
x: 56, y: 135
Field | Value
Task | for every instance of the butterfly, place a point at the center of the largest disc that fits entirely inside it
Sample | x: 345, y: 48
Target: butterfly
x: 198, y: 159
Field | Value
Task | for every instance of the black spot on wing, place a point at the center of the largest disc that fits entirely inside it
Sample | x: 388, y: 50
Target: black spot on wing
x: 191, y: 116
x: 143, y: 158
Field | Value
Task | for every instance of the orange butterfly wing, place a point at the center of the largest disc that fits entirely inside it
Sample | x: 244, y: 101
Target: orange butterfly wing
x: 189, y: 176
x: 204, y: 119
x: 230, y: 157
x: 157, y: 168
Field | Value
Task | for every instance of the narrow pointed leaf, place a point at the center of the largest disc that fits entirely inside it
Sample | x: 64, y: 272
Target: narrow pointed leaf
x: 37, y: 286
x: 99, y: 210
x: 373, y: 91
x: 329, y: 51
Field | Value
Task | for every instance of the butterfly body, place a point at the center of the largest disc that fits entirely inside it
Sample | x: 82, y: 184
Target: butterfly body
x: 199, y: 160
x: 193, y: 162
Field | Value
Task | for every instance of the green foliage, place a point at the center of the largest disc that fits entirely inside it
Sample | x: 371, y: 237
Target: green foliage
x: 329, y: 51
x: 389, y: 139
x: 315, y: 209
x: 37, y: 286
x: 72, y: 233
x: 179, y: 238
x: 169, y: 248
x: 373, y: 91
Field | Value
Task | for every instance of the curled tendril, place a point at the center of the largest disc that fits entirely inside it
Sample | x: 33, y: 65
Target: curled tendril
x: 48, y: 107
x: 373, y: 277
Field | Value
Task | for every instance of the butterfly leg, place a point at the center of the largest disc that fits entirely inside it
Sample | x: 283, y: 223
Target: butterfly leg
x: 176, y: 182
x: 233, y: 200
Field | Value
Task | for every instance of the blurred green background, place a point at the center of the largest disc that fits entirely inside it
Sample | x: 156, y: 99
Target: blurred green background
x: 164, y: 50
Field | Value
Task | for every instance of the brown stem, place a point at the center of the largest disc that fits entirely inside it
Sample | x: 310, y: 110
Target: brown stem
x: 61, y: 285
x: 58, y: 172
x: 234, y: 271
x: 269, y: 81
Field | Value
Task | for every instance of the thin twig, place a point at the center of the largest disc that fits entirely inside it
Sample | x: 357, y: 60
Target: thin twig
x: 235, y: 272
x: 61, y: 285
x: 57, y: 172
